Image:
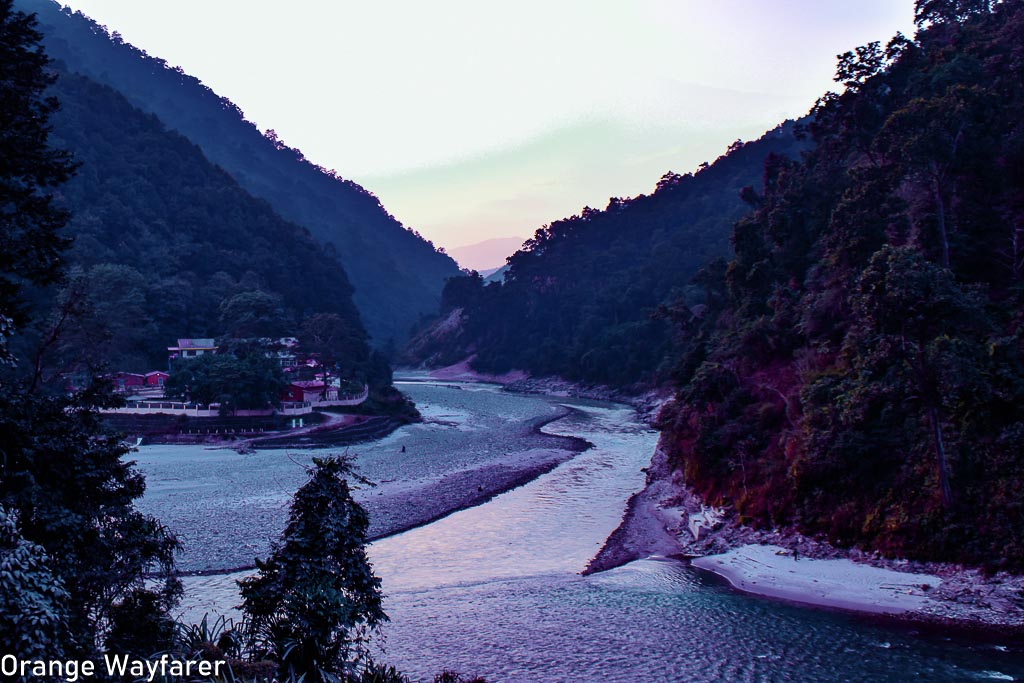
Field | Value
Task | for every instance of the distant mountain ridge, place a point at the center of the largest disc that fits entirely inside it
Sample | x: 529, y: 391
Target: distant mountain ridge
x: 488, y: 255
x: 397, y: 274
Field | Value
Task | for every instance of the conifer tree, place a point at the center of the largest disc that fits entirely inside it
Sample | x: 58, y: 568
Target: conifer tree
x: 314, y: 603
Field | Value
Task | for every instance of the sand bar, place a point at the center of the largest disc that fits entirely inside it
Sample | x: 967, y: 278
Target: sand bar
x: 772, y: 571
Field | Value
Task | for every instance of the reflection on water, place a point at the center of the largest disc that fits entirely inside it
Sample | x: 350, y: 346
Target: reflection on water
x: 554, y: 524
x: 495, y: 590
x: 658, y: 621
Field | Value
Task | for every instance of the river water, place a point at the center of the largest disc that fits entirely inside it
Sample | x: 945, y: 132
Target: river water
x: 495, y: 590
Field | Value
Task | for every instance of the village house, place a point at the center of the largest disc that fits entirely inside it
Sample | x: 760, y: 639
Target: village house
x: 284, y: 349
x: 156, y: 378
x: 128, y: 382
x: 190, y: 348
x: 310, y: 391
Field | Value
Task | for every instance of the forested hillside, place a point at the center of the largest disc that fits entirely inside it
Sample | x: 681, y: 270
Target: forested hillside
x: 397, y: 275
x: 582, y: 298
x: 167, y: 245
x: 860, y: 370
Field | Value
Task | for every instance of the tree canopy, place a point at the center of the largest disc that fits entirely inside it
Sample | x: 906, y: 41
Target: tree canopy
x: 237, y: 382
x: 584, y: 297
x: 31, y: 243
x: 80, y: 549
x: 859, y: 371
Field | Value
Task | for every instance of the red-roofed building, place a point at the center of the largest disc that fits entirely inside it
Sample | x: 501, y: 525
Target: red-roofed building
x: 156, y: 378
x: 310, y: 390
x: 128, y: 382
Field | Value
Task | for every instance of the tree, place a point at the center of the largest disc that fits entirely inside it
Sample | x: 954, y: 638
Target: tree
x: 247, y: 382
x: 315, y: 601
x: 913, y: 315
x: 336, y: 343
x: 73, y: 494
x: 949, y: 11
x: 33, y: 602
x: 30, y: 241
x: 63, y: 479
x: 254, y: 314
x: 463, y: 291
x: 925, y: 139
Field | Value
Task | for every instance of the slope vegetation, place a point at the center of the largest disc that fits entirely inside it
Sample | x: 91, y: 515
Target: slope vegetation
x: 860, y: 371
x: 167, y: 245
x: 589, y: 297
x: 397, y: 275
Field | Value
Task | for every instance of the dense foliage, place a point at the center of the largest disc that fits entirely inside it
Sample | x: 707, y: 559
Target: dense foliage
x: 581, y: 298
x: 32, y: 598
x: 315, y: 601
x: 30, y: 243
x: 237, y: 382
x: 397, y: 275
x: 71, y: 539
x: 860, y: 366
x: 72, y: 493
x: 167, y: 245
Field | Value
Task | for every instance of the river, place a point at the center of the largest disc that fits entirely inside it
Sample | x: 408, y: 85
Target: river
x: 495, y: 589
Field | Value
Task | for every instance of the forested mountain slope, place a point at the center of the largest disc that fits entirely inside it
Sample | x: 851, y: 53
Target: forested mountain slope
x: 581, y: 299
x: 860, y: 370
x: 167, y: 245
x: 397, y: 275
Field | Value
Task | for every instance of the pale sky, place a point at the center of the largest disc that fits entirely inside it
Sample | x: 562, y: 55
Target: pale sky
x: 473, y: 119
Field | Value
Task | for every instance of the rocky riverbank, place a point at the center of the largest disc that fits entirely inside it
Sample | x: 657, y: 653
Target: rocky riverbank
x: 657, y: 522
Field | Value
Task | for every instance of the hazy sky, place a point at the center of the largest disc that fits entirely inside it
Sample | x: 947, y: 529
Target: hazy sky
x: 473, y: 119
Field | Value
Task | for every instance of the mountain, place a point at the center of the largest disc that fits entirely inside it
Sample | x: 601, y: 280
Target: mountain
x: 167, y: 245
x: 858, y: 371
x: 581, y: 299
x: 397, y: 275
x: 488, y: 255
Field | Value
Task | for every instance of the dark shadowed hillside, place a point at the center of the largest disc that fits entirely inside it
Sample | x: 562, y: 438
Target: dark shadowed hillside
x: 587, y: 297
x: 397, y: 275
x: 860, y: 373
x: 167, y: 245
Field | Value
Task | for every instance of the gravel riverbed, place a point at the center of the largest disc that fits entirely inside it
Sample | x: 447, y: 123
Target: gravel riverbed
x: 227, y: 507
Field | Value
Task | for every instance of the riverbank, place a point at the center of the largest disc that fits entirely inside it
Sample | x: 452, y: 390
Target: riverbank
x: 656, y: 523
x: 227, y: 503
x: 401, y: 505
x: 647, y: 402
x: 786, y: 565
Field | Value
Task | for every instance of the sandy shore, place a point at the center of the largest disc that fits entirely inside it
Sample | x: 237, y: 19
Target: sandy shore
x: 461, y: 372
x: 762, y: 562
x: 398, y: 506
x: 774, y: 571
